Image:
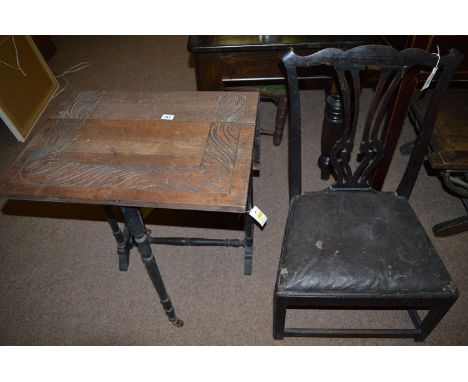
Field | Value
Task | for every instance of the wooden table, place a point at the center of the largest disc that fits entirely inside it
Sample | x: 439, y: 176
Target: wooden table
x: 449, y: 154
x: 181, y: 150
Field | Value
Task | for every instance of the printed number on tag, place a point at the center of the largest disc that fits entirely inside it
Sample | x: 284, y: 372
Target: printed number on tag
x: 169, y: 117
x: 258, y: 215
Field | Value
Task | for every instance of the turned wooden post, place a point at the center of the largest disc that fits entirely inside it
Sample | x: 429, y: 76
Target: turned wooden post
x: 332, y: 127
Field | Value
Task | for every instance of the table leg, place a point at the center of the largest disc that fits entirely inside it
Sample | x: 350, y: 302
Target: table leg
x: 137, y: 230
x: 249, y: 232
x: 123, y: 239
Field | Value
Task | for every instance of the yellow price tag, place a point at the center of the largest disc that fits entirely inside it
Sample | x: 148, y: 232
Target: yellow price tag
x: 258, y: 215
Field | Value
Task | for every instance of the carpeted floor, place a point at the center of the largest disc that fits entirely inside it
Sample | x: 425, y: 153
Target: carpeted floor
x: 59, y: 277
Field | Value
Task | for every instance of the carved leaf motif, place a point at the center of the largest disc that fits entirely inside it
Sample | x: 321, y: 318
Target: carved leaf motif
x: 214, y: 175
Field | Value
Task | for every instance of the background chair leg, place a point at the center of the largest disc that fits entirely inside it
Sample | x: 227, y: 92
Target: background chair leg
x: 430, y: 321
x: 279, y: 318
x: 281, y: 117
x: 457, y: 225
x: 249, y: 232
x: 136, y: 228
x: 451, y: 227
x: 281, y: 102
x: 256, y: 148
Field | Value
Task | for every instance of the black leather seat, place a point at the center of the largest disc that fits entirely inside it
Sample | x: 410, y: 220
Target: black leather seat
x: 332, y: 245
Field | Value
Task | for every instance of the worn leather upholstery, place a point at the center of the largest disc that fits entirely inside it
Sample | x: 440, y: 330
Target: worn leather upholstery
x: 360, y: 243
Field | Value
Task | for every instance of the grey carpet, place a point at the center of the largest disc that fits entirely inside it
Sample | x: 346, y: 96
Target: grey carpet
x: 59, y: 278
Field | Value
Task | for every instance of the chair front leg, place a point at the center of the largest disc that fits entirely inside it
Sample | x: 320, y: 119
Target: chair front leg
x: 279, y: 318
x: 431, y: 320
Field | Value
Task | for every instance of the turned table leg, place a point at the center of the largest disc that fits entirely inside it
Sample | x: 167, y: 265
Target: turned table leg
x: 137, y: 230
x: 123, y: 239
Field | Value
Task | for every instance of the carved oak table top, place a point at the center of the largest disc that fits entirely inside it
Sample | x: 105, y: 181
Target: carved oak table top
x: 184, y: 150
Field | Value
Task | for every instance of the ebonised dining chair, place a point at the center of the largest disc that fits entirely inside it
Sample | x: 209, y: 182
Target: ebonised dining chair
x: 349, y: 246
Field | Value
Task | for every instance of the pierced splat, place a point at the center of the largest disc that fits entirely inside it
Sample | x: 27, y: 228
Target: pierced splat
x: 349, y: 67
x: 371, y: 145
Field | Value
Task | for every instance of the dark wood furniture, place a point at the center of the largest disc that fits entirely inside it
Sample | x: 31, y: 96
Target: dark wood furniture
x: 281, y: 102
x: 449, y: 143
x: 349, y: 246
x: 179, y: 150
x: 448, y: 154
x: 223, y: 60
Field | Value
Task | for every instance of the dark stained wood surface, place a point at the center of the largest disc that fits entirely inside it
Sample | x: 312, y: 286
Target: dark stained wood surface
x: 197, y: 44
x: 114, y: 148
x: 450, y: 137
x: 220, y: 59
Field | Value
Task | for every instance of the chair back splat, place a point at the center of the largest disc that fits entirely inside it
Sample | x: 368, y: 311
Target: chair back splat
x: 348, y: 66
